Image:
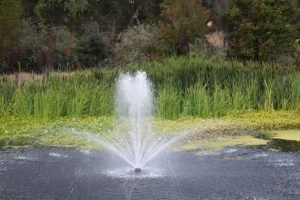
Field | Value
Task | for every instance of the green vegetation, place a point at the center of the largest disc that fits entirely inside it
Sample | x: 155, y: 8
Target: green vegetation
x: 10, y: 22
x: 119, y: 36
x: 184, y: 21
x: 262, y: 30
x: 226, y: 131
x: 47, y: 35
x: 20, y: 131
x: 229, y: 103
x: 185, y: 86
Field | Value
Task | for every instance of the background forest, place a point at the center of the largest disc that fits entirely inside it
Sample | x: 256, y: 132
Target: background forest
x: 46, y: 35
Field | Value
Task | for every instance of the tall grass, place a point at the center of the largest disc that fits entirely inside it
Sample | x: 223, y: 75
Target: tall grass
x: 197, y: 101
x: 169, y: 102
x: 191, y: 86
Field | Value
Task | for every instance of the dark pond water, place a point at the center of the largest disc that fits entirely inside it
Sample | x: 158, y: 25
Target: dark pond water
x: 62, y: 174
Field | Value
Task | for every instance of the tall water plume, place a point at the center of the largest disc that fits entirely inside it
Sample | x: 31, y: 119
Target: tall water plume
x: 133, y: 137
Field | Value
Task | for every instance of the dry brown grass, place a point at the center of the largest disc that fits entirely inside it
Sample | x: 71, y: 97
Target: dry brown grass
x: 216, y: 38
x: 23, y: 76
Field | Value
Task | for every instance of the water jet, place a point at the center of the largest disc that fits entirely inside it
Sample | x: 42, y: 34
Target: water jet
x: 133, y: 138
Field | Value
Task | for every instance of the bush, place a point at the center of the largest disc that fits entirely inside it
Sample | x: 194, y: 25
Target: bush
x: 182, y: 22
x: 262, y: 30
x: 205, y: 48
x: 90, y: 51
x: 137, y: 43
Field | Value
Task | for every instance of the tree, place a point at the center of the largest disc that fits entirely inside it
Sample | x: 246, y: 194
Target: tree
x: 150, y: 9
x: 218, y: 10
x: 10, y: 24
x: 183, y: 22
x: 297, y: 19
x: 61, y: 12
x: 91, y: 51
x: 29, y: 8
x: 112, y: 16
x: 262, y: 29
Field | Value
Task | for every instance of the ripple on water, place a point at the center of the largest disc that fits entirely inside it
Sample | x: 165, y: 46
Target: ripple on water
x: 57, y: 155
x: 283, y: 163
x: 230, y: 151
x: 86, y: 152
x: 128, y: 173
x: 2, y: 167
x: 24, y: 158
x: 261, y: 155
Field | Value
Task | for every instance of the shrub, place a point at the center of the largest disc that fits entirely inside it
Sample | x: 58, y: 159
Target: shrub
x: 183, y: 21
x: 262, y: 30
x: 137, y: 43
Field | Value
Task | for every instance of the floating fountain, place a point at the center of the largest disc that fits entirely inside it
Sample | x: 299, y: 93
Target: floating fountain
x: 133, y: 138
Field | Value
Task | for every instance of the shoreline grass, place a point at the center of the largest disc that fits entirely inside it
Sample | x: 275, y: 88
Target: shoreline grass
x: 184, y: 86
x: 225, y: 98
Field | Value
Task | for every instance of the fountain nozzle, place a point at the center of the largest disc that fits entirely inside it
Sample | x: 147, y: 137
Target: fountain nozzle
x: 137, y: 170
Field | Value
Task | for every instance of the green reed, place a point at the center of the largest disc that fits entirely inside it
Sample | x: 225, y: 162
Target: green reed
x: 183, y: 86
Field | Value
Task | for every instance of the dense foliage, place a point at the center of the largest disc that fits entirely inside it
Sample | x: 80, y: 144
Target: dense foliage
x: 186, y: 86
x: 184, y: 20
x: 10, y: 23
x: 42, y: 35
x: 262, y: 30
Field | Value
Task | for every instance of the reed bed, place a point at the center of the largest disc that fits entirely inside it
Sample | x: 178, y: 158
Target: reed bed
x: 184, y: 86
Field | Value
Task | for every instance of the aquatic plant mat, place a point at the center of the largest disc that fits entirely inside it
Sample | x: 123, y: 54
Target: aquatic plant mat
x: 66, y: 173
x: 239, y: 129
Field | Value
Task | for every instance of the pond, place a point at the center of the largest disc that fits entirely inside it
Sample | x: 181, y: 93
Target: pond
x: 66, y: 173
